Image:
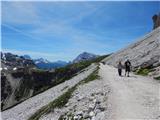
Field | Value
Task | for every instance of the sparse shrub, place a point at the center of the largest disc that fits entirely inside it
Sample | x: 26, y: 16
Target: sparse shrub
x: 70, y: 116
x: 143, y: 71
x: 157, y: 78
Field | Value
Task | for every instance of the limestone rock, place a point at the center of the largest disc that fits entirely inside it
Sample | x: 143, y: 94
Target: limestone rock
x: 156, y: 21
x: 91, y: 114
x: 145, y: 52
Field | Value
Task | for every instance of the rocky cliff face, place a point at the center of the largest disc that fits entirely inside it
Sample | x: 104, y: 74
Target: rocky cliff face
x: 13, y: 67
x: 143, y: 53
x: 156, y: 21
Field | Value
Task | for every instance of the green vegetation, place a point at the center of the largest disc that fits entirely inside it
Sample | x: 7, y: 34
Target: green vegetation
x: 91, y: 77
x: 143, y: 71
x: 70, y: 116
x: 64, y: 98
x: 38, y: 70
x: 157, y: 78
x: 64, y: 88
x: 59, y: 102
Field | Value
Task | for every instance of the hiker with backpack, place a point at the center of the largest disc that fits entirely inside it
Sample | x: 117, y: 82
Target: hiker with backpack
x: 127, y: 67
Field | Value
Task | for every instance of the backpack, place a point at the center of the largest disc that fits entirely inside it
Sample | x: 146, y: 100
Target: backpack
x: 128, y: 64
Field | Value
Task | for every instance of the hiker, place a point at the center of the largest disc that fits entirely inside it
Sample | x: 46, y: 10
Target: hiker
x: 127, y: 67
x: 120, y: 68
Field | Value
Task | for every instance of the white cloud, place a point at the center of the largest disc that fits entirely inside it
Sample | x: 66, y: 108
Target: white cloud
x: 19, y: 13
x: 64, y: 26
x: 27, y: 13
x: 22, y: 13
x: 20, y: 31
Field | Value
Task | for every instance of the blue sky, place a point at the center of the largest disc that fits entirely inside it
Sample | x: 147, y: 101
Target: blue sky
x: 62, y: 30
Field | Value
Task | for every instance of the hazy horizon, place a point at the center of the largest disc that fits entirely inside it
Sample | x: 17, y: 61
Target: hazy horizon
x: 62, y: 30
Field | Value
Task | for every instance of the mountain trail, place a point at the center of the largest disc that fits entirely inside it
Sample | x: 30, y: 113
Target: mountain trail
x: 118, y: 98
x: 131, y: 98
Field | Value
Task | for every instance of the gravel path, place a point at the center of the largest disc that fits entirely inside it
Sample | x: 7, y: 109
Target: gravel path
x: 25, y: 109
x: 131, y: 98
x: 121, y: 98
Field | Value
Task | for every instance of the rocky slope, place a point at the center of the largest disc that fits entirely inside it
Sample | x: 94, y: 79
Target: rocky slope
x: 144, y: 53
x: 90, y: 105
x: 24, y: 110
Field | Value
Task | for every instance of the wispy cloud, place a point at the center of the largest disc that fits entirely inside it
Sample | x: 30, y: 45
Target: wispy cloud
x: 27, y: 13
x: 20, y: 31
x: 19, y: 13
x: 61, y: 30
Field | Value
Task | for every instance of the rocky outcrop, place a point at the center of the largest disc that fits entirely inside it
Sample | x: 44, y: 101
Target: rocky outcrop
x: 6, y: 88
x: 10, y: 61
x: 13, y: 69
x: 156, y: 21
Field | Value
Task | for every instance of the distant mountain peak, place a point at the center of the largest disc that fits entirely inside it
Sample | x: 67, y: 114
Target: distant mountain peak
x: 41, y: 60
x: 11, y: 61
x: 45, y: 64
x: 84, y: 56
x: 27, y: 57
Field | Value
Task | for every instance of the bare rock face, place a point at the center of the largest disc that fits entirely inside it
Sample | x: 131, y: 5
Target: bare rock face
x: 143, y: 53
x: 156, y: 21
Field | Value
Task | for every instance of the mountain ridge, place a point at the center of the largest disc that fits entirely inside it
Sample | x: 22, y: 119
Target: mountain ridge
x: 45, y: 64
x: 84, y: 56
